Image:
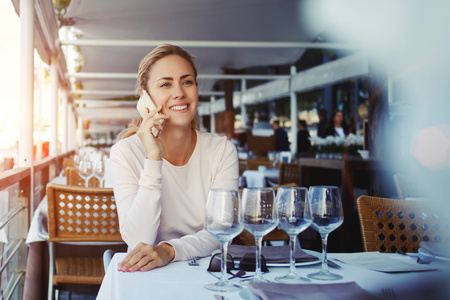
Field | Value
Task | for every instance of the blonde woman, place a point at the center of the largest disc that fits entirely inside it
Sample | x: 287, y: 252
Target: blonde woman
x: 161, y: 183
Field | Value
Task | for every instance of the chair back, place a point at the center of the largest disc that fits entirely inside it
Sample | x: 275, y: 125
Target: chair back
x: 289, y: 173
x: 407, y: 186
x: 82, y: 214
x: 68, y: 162
x: 73, y: 178
x: 391, y: 225
x: 253, y: 164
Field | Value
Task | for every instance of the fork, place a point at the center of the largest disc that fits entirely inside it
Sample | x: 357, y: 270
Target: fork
x: 426, y: 260
x: 192, y: 261
x: 388, y: 293
x: 423, y: 261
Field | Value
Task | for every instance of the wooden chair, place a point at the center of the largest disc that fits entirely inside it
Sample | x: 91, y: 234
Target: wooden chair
x: 68, y: 162
x: 73, y: 178
x: 289, y: 172
x: 407, y: 186
x: 79, y: 216
x: 391, y: 225
x: 246, y: 238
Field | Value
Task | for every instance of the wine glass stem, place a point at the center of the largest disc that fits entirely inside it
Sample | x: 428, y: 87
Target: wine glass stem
x: 223, y: 263
x: 324, y: 268
x: 292, y: 270
x: 86, y: 182
x: 258, y: 241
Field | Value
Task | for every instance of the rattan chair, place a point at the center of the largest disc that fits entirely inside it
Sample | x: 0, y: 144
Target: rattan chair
x: 68, y: 162
x: 391, y: 225
x: 289, y: 173
x: 73, y: 178
x: 79, y: 216
x: 407, y: 187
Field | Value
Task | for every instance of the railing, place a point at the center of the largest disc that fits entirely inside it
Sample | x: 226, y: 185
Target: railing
x: 15, y: 212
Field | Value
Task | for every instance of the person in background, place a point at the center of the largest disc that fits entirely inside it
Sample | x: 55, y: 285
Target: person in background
x: 303, y: 142
x: 281, y: 137
x: 161, y: 183
x: 322, y: 125
x: 336, y: 125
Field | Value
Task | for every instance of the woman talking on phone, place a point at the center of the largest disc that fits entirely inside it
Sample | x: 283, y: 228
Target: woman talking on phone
x: 161, y: 181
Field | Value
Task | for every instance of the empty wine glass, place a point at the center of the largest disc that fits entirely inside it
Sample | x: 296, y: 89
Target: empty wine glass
x: 294, y: 214
x: 86, y: 171
x: 327, y: 214
x: 99, y: 172
x: 260, y: 218
x: 223, y: 219
x: 76, y: 160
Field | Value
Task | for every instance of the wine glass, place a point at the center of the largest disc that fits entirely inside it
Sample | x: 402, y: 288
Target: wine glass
x: 99, y: 172
x: 86, y: 171
x: 294, y: 214
x: 76, y: 160
x: 223, y: 219
x: 260, y: 218
x: 327, y: 214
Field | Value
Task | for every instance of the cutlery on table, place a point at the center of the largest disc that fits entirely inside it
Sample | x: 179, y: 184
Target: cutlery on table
x: 388, y: 293
x: 423, y: 261
x: 192, y: 261
x: 332, y: 264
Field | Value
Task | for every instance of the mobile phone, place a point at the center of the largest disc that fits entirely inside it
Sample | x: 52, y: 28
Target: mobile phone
x: 146, y: 102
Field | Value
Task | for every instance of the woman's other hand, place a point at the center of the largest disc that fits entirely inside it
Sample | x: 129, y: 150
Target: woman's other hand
x: 153, y: 145
x: 146, y: 257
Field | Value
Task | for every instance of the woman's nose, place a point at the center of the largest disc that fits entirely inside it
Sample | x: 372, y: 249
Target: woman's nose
x: 178, y: 92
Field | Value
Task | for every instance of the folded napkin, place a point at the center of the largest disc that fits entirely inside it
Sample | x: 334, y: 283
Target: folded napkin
x: 338, y: 291
x: 272, y: 254
x: 438, y: 249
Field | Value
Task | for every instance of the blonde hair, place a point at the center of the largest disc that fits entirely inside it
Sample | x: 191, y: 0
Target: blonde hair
x: 144, y: 73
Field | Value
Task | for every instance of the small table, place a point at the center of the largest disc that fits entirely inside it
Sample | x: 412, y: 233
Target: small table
x: 257, y: 178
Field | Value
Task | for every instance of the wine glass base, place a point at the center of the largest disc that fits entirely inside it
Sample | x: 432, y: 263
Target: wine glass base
x: 325, y: 276
x: 223, y: 287
x: 295, y: 278
x: 253, y: 279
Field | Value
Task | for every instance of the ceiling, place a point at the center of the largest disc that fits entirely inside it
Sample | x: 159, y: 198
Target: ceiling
x: 183, y: 22
x: 114, y: 35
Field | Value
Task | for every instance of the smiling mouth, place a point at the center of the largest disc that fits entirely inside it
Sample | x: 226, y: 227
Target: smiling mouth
x: 179, y: 107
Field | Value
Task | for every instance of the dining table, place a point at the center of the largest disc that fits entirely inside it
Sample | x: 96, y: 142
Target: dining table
x: 179, y: 280
x: 261, y: 177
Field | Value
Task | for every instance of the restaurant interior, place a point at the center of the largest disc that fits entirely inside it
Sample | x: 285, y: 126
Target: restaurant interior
x: 383, y: 66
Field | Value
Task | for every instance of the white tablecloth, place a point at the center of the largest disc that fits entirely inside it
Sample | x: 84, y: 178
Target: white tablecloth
x: 180, y: 281
x: 41, y: 209
x: 256, y: 178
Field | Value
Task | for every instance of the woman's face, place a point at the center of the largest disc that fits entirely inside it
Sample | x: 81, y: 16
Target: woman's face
x: 172, y: 84
x: 338, y: 118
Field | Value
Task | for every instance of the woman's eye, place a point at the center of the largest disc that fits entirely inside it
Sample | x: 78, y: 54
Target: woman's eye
x: 187, y: 82
x: 165, y: 84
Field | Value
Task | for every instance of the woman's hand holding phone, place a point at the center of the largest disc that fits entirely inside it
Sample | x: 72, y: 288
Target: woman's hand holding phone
x: 152, y: 144
x: 146, y: 105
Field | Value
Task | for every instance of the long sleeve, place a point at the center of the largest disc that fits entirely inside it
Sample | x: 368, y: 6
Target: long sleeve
x: 137, y: 198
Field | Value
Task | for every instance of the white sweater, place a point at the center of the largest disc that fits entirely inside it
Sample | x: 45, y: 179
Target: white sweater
x: 159, y: 202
